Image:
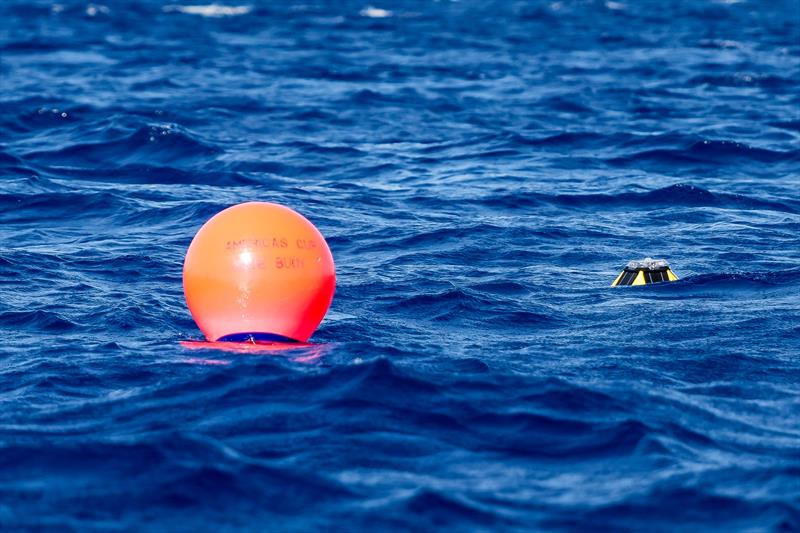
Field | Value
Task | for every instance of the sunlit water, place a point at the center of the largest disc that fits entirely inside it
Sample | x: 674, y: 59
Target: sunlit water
x: 482, y: 171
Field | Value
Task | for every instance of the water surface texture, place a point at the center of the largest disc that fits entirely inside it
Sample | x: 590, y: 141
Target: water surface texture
x: 482, y: 171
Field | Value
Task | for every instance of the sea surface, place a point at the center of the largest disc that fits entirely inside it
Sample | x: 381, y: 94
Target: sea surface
x: 482, y: 171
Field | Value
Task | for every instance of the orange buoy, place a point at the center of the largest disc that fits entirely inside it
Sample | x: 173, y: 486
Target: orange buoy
x: 258, y: 271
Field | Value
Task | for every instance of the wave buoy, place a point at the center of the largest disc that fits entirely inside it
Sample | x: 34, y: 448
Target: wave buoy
x: 645, y: 272
x: 258, y: 272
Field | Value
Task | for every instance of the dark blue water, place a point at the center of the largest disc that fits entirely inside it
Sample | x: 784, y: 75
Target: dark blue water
x: 482, y: 171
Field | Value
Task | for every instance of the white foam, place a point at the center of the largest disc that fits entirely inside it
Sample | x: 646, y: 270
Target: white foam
x: 209, y: 10
x: 94, y: 9
x: 375, y: 12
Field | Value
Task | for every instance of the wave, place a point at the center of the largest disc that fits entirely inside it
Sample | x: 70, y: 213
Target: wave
x: 726, y: 282
x: 614, y: 150
x: 209, y: 10
x: 769, y: 81
x: 707, y: 152
x: 679, y: 195
x: 438, y: 508
x: 34, y: 207
x: 165, y: 144
x: 44, y: 321
x: 186, y: 470
x: 673, y: 506
x: 454, y: 304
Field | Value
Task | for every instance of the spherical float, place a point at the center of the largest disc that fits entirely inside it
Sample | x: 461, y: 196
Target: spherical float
x: 258, y: 271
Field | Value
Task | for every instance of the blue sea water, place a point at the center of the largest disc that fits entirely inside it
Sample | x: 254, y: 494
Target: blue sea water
x: 482, y: 171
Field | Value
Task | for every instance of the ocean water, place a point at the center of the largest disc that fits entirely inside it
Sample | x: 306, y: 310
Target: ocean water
x: 482, y: 171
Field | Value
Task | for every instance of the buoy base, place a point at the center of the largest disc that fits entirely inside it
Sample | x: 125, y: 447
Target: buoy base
x: 299, y: 352
x: 257, y: 337
x: 245, y: 347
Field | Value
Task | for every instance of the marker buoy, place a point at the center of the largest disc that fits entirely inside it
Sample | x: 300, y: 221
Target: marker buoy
x: 258, y: 271
x: 645, y: 272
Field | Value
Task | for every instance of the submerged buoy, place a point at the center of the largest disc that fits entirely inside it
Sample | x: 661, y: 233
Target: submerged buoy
x: 645, y: 272
x: 258, y: 271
